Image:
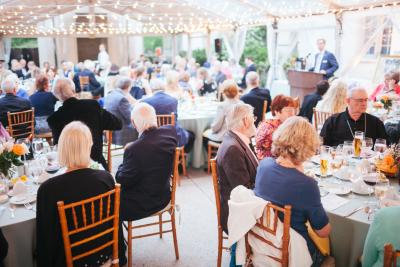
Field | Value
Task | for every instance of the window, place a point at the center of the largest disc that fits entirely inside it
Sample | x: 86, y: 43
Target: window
x: 383, y: 43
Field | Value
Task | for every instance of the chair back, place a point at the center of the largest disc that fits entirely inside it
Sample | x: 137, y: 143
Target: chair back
x: 83, y: 81
x: 214, y: 175
x: 108, y: 141
x: 320, y: 117
x: 269, y: 223
x: 94, y: 212
x: 166, y: 120
x: 21, y: 124
x: 390, y: 256
x: 264, y: 110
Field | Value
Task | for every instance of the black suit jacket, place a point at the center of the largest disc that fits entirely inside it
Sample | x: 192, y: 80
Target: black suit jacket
x: 236, y: 165
x: 89, y: 112
x: 12, y: 103
x: 93, y: 83
x: 145, y: 173
x: 309, y: 102
x: 255, y: 98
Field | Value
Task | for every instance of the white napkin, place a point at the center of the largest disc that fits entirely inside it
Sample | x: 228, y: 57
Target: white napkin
x: 360, y: 186
x: 331, y: 202
x: 20, y: 188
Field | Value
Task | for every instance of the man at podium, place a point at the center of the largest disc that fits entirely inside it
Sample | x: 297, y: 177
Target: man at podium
x: 325, y: 62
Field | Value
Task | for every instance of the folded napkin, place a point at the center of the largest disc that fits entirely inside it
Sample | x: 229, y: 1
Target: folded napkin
x: 360, y: 186
x: 331, y: 202
x: 20, y: 188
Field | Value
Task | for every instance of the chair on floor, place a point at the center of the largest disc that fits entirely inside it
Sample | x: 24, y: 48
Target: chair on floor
x: 320, y: 117
x: 84, y: 83
x: 48, y: 136
x: 170, y: 208
x: 21, y: 124
x: 221, y: 234
x: 297, y: 105
x: 109, y: 148
x: 212, y: 149
x: 268, y: 223
x: 390, y: 256
x: 86, y: 215
x: 170, y: 120
x: 264, y: 110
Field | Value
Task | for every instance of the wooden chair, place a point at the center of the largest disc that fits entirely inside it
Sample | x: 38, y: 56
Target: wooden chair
x: 297, y: 105
x: 170, y: 120
x: 21, y: 124
x: 109, y: 148
x: 105, y: 215
x: 320, y: 117
x: 268, y: 223
x: 48, y: 136
x: 264, y: 110
x: 170, y: 208
x: 212, y: 149
x: 390, y: 256
x: 221, y: 234
x: 83, y: 82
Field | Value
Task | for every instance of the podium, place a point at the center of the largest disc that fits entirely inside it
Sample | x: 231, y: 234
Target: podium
x: 303, y: 82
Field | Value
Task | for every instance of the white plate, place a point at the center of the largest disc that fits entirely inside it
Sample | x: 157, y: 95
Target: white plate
x: 23, y: 199
x: 339, y: 190
x: 365, y: 191
x: 318, y: 173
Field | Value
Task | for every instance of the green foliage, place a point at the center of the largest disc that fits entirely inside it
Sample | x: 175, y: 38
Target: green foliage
x: 24, y: 43
x: 183, y: 53
x: 7, y: 160
x: 200, y: 56
x: 150, y: 43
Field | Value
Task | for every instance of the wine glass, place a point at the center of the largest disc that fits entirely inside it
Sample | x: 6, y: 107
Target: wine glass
x: 368, y: 143
x: 380, y: 146
x: 380, y: 189
x: 37, y: 146
x: 347, y: 149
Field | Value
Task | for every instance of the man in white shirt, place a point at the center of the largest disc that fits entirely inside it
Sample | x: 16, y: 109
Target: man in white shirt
x: 103, y: 56
x: 325, y: 61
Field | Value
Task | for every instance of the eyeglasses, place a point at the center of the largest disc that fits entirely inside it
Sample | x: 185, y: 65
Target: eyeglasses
x: 360, y: 100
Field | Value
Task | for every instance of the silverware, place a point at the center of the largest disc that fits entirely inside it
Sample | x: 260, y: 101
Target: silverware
x: 28, y: 206
x: 11, y: 208
x: 354, y: 211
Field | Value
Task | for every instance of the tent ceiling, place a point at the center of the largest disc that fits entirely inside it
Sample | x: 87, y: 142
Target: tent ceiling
x: 24, y: 17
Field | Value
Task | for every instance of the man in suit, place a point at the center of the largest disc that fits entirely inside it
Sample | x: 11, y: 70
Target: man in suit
x: 256, y: 96
x: 325, y: 62
x: 88, y: 71
x: 236, y: 162
x: 11, y: 102
x: 311, y: 100
x: 250, y: 66
x: 163, y: 103
x: 119, y: 102
x: 146, y: 169
x: 87, y: 111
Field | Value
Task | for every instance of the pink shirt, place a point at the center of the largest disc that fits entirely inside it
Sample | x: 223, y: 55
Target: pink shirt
x: 379, y: 89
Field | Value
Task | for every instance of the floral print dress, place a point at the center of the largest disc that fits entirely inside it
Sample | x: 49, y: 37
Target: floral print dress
x: 264, y: 137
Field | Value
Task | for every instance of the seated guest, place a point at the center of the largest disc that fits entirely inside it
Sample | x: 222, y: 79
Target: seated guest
x: 88, y: 71
x: 16, y: 68
x: 393, y: 132
x: 282, y: 108
x: 236, y: 162
x: 384, y: 229
x: 31, y: 68
x: 256, y: 96
x: 3, y: 71
x: 118, y: 103
x: 390, y: 85
x: 43, y: 101
x: 282, y: 180
x: 21, y: 92
x: 172, y: 84
x: 184, y: 82
x: 145, y: 172
x: 79, y: 182
x: 141, y: 85
x: 334, y: 101
x: 3, y: 133
x: 86, y: 110
x: 310, y: 101
x: 204, y: 82
x: 341, y: 127
x: 165, y: 104
x: 218, y: 126
x: 11, y: 102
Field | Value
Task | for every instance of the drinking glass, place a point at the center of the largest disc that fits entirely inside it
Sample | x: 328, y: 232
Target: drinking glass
x: 368, y: 143
x: 37, y: 146
x: 324, y: 156
x: 380, y: 189
x: 380, y: 146
x: 358, y: 139
x: 347, y: 149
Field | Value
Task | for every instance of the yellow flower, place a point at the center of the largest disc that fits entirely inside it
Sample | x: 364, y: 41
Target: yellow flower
x: 388, y: 160
x: 385, y: 98
x: 14, y: 180
x: 23, y: 178
x: 18, y: 149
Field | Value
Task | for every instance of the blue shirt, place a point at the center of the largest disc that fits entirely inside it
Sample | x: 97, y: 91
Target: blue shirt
x: 43, y: 102
x: 287, y: 186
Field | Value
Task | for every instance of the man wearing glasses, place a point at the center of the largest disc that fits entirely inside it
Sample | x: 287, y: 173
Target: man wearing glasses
x: 342, y: 126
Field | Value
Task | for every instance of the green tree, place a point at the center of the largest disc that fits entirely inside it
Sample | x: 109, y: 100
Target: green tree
x: 200, y: 56
x: 24, y: 43
x: 150, y: 43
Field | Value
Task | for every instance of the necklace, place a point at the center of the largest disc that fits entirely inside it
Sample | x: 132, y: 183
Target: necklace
x: 365, y: 126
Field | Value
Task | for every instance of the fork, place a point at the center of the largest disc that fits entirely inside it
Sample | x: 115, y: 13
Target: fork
x: 11, y: 208
x: 28, y: 206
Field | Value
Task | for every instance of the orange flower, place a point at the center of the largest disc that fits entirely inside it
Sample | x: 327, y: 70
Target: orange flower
x: 18, y: 149
x: 388, y: 160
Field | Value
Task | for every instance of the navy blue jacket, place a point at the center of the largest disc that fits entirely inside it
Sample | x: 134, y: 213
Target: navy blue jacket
x: 145, y: 173
x: 309, y: 102
x: 328, y: 64
x: 43, y: 102
x: 12, y: 103
x: 93, y: 83
x: 255, y: 98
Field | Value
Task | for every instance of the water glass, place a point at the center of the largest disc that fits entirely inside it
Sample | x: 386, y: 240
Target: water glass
x: 37, y: 146
x: 368, y: 143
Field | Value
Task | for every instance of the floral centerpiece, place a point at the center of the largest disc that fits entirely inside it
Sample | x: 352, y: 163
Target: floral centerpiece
x: 390, y: 164
x: 10, y: 155
x: 386, y: 100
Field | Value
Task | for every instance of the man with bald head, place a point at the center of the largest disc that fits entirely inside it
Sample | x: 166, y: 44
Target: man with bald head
x: 341, y: 127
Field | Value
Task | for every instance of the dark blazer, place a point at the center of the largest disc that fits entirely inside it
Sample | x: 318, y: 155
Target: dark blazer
x: 93, y: 83
x: 249, y: 68
x: 163, y: 103
x: 145, y: 172
x: 255, y: 98
x: 43, y: 102
x: 236, y: 165
x: 89, y: 112
x: 69, y: 187
x: 328, y: 63
x: 309, y: 102
x: 3, y: 248
x: 12, y: 103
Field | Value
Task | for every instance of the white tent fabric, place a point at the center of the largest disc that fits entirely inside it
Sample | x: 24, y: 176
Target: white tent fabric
x: 235, y: 42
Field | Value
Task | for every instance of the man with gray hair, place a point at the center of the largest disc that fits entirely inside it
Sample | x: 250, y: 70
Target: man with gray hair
x: 119, y: 102
x: 146, y: 169
x: 87, y: 111
x: 342, y: 126
x: 11, y: 102
x: 256, y: 96
x: 236, y: 162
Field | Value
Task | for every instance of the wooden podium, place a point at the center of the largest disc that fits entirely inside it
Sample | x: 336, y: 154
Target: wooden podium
x: 303, y: 82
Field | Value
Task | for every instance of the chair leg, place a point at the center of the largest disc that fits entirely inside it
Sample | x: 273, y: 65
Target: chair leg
x: 160, y: 224
x: 183, y: 162
x: 174, y: 234
x: 208, y: 158
x: 219, y: 248
x: 130, y: 244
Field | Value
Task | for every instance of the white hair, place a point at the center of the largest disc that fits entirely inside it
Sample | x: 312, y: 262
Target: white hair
x: 89, y: 64
x: 238, y: 112
x: 144, y: 117
x: 124, y: 71
x: 124, y: 83
x: 63, y: 89
x: 172, y: 77
x: 157, y: 85
x: 8, y: 86
x: 252, y: 78
x: 354, y: 89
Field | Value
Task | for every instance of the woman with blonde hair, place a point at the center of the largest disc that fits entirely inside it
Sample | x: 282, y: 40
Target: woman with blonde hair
x: 334, y: 100
x: 77, y: 183
x: 282, y: 180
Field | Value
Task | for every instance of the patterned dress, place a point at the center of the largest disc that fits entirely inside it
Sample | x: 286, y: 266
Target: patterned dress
x: 264, y: 137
